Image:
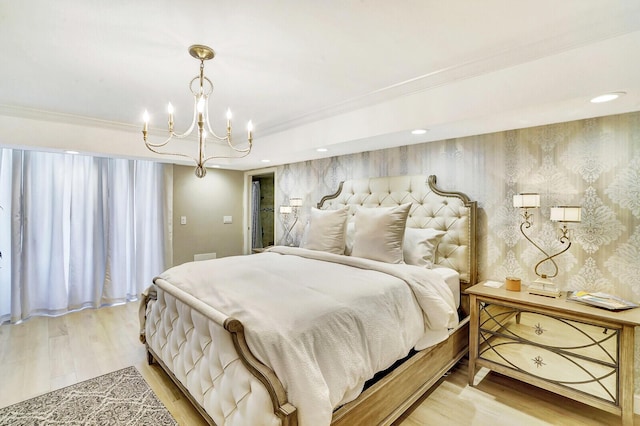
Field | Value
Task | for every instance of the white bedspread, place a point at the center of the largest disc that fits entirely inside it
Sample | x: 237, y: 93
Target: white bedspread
x: 324, y: 323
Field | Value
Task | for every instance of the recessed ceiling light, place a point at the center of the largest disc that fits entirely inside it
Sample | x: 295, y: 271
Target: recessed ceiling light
x: 72, y: 152
x: 322, y: 150
x: 418, y: 132
x: 607, y: 97
x: 266, y: 161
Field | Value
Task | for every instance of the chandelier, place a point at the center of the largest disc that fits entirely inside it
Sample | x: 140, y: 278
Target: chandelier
x: 201, y: 93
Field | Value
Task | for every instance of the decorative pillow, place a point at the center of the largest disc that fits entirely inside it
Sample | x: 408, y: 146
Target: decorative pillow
x: 326, y: 231
x: 420, y: 245
x: 349, y: 237
x: 379, y: 233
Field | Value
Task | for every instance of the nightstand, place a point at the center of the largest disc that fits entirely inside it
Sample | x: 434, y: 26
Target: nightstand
x: 578, y: 351
x: 260, y: 250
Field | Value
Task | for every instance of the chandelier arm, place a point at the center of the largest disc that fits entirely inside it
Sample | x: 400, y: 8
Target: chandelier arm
x: 214, y: 157
x: 193, y: 121
x: 227, y: 138
x: 247, y: 149
x: 151, y: 148
x: 229, y: 141
x: 157, y: 145
x: 209, y: 129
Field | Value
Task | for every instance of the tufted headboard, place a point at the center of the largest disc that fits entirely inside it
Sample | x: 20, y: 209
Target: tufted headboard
x: 451, y: 212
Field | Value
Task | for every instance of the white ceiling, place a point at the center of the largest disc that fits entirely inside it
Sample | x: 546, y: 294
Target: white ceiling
x: 342, y: 74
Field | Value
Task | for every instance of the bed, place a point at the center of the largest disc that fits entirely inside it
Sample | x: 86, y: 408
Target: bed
x: 233, y: 347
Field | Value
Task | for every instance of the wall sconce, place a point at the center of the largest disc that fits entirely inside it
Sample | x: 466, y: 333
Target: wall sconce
x: 564, y: 215
x: 295, y: 202
x: 543, y: 285
x: 526, y: 201
x: 286, y: 211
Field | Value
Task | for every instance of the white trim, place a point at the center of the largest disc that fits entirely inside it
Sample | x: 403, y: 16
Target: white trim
x: 57, y: 117
x: 636, y: 404
x: 246, y: 205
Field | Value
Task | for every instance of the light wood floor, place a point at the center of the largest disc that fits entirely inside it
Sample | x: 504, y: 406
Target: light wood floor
x: 44, y: 354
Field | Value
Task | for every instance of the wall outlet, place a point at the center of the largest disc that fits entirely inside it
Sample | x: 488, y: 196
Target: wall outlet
x: 183, y: 220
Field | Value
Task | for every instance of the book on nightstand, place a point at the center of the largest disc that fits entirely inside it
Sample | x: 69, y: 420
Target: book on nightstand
x: 600, y: 300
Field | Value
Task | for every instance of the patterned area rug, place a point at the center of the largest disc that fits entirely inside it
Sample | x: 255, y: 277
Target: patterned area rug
x: 119, y: 398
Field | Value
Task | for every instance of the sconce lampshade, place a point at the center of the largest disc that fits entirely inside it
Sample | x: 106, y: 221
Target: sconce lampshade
x: 526, y: 200
x: 295, y: 202
x: 285, y: 209
x: 566, y: 214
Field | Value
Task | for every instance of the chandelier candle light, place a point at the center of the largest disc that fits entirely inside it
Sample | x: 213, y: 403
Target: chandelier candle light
x: 201, y: 118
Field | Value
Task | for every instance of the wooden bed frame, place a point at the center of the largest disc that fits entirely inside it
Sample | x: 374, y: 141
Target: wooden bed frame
x: 385, y: 400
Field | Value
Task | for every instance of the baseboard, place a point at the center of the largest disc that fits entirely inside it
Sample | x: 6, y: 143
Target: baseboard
x: 204, y: 256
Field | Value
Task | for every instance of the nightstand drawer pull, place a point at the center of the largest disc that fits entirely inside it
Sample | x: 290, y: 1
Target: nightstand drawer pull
x: 538, y: 361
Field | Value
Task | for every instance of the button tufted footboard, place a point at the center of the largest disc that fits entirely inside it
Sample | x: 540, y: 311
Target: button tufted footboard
x: 205, y: 352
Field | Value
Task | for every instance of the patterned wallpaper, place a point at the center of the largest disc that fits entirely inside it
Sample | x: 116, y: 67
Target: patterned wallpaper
x: 594, y: 163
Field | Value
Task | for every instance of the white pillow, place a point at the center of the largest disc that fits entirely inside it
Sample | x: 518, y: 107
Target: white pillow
x: 379, y: 233
x: 349, y: 237
x: 420, y: 245
x: 326, y: 231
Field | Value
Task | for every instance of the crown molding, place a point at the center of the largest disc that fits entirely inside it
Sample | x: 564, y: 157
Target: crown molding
x: 488, y: 63
x: 57, y: 117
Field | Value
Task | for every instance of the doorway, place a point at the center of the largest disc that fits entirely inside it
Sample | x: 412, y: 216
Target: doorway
x: 260, y: 218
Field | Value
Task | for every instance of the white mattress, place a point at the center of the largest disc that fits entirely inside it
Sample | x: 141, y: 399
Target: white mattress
x: 452, y: 278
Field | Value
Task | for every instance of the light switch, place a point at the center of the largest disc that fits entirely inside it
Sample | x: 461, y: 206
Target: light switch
x: 183, y: 220
x: 227, y: 219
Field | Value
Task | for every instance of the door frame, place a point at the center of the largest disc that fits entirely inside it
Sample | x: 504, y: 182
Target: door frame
x: 247, y: 207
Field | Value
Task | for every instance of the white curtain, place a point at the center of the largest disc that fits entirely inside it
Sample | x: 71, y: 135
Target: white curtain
x: 84, y: 231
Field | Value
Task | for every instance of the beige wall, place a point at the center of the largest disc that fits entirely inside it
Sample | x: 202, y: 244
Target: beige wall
x: 204, y: 202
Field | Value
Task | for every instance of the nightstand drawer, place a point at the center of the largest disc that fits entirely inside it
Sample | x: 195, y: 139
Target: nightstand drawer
x: 571, y: 338
x: 588, y: 376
